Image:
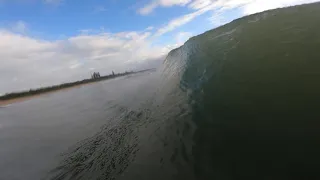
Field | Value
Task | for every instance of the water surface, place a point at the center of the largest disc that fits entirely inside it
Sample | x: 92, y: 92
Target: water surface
x: 238, y: 102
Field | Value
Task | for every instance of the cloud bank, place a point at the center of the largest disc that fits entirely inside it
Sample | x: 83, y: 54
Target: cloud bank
x: 27, y: 62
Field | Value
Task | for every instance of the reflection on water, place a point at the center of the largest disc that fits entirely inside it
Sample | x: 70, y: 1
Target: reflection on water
x: 238, y: 102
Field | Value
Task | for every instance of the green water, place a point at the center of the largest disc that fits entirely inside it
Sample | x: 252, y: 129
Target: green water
x: 256, y: 93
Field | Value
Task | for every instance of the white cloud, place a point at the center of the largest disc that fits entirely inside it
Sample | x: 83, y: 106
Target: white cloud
x: 182, y: 37
x: 169, y: 3
x: 29, y: 63
x: 218, y: 19
x: 199, y: 4
x: 177, y: 22
x: 173, y: 24
x: 147, y: 9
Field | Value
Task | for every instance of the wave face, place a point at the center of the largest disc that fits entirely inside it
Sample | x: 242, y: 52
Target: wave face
x: 237, y: 102
x: 254, y: 89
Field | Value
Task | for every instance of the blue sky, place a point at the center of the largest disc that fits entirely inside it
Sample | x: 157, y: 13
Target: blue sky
x: 68, y: 17
x: 62, y: 19
x: 45, y: 42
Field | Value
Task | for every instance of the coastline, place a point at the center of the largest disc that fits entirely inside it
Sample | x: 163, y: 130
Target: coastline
x: 17, y: 97
x: 32, y: 96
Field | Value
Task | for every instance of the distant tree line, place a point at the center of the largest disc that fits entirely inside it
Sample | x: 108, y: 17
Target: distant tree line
x: 94, y: 77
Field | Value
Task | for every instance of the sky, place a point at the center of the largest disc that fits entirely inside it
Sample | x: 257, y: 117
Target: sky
x: 47, y: 42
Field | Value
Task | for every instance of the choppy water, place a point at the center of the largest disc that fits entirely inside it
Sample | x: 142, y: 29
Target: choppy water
x: 238, y: 102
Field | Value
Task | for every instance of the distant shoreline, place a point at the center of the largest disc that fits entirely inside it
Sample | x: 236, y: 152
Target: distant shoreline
x: 17, y: 97
x: 31, y: 96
